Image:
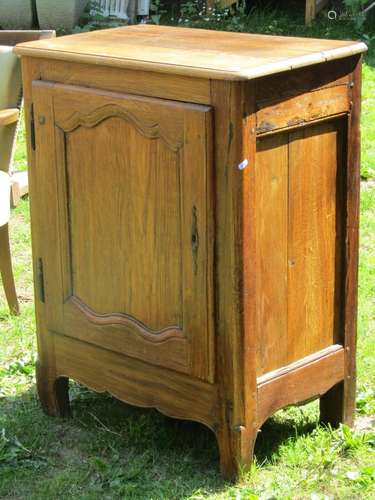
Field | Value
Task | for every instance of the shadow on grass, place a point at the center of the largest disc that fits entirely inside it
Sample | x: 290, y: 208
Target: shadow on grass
x: 110, y: 448
x: 279, y: 429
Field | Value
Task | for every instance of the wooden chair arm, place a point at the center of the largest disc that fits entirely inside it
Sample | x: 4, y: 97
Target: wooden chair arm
x: 8, y: 116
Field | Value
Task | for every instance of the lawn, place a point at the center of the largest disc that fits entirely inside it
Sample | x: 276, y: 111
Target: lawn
x: 111, y: 450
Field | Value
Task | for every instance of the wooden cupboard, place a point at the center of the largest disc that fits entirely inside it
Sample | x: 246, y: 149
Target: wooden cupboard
x: 312, y: 7
x: 194, y: 200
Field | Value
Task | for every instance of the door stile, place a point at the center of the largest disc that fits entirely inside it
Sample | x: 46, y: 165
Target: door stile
x: 64, y: 217
x: 48, y: 204
x: 197, y: 261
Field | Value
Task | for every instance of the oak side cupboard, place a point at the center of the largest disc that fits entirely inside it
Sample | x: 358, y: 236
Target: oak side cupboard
x: 194, y: 199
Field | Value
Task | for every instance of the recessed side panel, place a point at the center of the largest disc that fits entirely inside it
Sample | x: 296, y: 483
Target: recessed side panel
x: 314, y: 238
x: 299, y: 220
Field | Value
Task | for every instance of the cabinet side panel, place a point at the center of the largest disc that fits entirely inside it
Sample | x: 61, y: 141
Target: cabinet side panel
x: 300, y: 238
x: 313, y: 163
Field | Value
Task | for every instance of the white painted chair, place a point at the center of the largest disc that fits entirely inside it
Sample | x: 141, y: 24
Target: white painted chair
x: 5, y: 256
x: 10, y: 104
x: 9, y: 96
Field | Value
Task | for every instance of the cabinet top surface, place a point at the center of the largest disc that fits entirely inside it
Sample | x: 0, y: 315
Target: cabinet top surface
x: 192, y: 52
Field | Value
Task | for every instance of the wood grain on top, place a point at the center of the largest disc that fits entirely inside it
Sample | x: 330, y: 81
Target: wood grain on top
x: 202, y: 53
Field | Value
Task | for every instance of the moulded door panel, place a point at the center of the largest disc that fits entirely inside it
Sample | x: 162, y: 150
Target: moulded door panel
x: 133, y: 256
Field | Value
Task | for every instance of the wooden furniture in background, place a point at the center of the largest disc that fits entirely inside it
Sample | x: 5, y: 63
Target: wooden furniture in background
x: 194, y: 201
x: 313, y: 7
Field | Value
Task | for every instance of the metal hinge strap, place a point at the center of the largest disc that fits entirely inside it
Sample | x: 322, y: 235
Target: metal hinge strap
x: 40, y: 280
x: 32, y: 127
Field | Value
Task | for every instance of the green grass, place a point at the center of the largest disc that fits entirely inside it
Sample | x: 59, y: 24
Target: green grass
x: 111, y: 450
x: 368, y: 121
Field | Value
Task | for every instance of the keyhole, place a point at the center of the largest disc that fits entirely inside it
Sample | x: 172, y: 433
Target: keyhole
x: 194, y: 238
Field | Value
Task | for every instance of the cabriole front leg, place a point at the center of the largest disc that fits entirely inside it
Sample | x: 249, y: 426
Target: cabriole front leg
x: 53, y: 392
x: 236, y: 448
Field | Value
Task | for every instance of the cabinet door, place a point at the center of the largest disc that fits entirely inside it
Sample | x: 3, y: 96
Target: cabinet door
x: 127, y: 252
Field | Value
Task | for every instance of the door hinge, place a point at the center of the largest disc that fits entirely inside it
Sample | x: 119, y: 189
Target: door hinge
x: 40, y: 280
x: 32, y: 127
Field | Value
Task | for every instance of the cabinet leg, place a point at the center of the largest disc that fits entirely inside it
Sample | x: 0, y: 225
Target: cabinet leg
x: 236, y: 448
x: 53, y: 393
x: 338, y: 404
